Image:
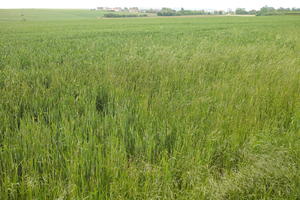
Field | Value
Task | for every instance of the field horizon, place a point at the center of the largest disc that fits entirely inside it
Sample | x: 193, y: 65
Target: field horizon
x: 48, y: 14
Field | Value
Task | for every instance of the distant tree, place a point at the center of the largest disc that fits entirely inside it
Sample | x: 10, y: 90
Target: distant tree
x: 113, y: 15
x: 283, y: 9
x: 151, y: 10
x: 167, y: 12
x: 252, y: 12
x: 218, y: 12
x: 266, y: 10
x: 241, y: 11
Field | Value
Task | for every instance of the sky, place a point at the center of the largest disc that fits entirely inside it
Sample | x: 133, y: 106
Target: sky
x: 187, y: 4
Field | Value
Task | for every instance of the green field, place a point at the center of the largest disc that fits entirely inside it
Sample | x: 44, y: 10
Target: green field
x: 148, y: 108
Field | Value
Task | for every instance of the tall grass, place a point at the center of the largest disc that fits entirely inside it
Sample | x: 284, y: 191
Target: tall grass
x: 181, y: 108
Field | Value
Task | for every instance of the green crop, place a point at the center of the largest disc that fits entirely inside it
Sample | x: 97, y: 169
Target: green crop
x: 148, y: 108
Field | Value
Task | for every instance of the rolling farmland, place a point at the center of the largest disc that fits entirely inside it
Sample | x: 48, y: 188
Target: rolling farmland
x: 148, y: 108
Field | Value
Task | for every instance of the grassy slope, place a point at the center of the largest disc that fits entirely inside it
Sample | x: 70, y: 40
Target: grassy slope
x: 176, y: 108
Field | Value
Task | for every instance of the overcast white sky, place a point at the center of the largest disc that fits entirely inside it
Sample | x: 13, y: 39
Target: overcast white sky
x: 187, y: 4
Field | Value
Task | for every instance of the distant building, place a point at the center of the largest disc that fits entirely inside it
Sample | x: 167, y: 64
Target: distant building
x: 119, y: 9
x: 116, y: 9
x: 134, y: 9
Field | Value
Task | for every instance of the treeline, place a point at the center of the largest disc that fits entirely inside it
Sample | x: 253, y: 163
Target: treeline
x: 114, y: 15
x: 268, y: 11
x: 171, y: 12
x: 264, y: 11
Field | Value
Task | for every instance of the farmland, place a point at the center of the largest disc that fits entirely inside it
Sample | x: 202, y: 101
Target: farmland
x: 148, y: 108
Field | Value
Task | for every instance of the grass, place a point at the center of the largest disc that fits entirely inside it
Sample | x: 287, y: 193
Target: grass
x: 149, y: 108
